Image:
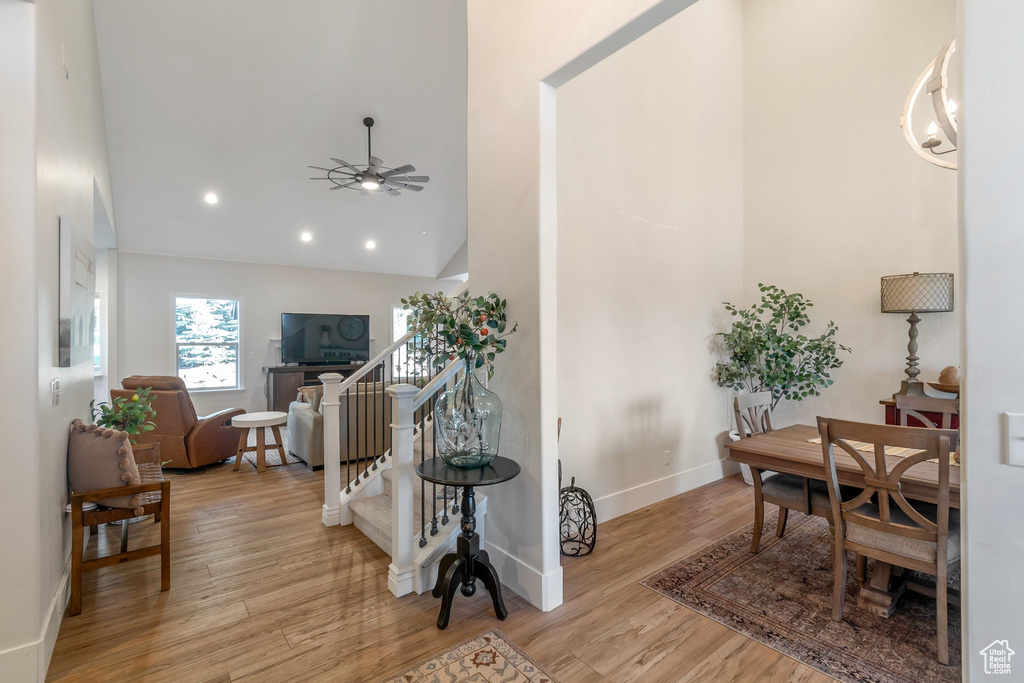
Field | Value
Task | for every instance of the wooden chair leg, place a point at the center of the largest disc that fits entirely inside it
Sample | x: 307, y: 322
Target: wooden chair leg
x: 758, y: 510
x: 94, y: 529
x: 862, y: 569
x: 77, y: 533
x: 780, y: 528
x: 124, y: 535
x: 165, y: 536
x: 839, y: 586
x: 941, y: 615
x: 243, y: 441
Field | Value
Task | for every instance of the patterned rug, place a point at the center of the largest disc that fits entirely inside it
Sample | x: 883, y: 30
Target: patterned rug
x: 782, y: 597
x: 273, y: 457
x: 485, y: 658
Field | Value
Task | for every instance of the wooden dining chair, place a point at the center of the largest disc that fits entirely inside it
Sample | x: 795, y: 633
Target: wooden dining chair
x: 920, y: 536
x: 787, y: 491
x: 156, y: 503
x: 916, y: 406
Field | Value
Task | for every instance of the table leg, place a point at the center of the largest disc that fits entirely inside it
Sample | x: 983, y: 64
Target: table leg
x: 243, y: 441
x: 486, y: 573
x: 280, y: 444
x: 261, y: 449
x: 442, y: 570
x: 883, y: 590
x: 452, y: 579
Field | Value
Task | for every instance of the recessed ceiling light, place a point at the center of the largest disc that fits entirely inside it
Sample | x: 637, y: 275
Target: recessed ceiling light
x: 424, y: 233
x: 306, y: 236
x: 210, y: 198
x: 370, y: 244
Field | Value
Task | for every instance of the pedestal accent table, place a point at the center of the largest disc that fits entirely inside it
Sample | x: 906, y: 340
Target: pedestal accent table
x: 468, y: 563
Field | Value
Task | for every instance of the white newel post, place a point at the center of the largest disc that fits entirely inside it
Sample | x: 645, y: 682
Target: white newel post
x: 331, y: 408
x: 401, y: 573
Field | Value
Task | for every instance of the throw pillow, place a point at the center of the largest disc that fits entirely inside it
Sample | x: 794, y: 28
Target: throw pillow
x: 101, y: 458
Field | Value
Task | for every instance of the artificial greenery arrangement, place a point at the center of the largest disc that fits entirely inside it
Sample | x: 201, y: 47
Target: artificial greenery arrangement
x: 130, y: 415
x: 768, y: 353
x: 473, y: 328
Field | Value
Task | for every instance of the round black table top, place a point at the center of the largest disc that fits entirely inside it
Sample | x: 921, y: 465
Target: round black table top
x: 435, y: 471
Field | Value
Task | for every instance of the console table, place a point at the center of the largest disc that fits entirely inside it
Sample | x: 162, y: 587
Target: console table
x: 283, y: 381
x: 468, y: 563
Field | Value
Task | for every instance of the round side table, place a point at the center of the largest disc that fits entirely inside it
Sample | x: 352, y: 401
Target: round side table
x: 259, y: 421
x: 468, y: 563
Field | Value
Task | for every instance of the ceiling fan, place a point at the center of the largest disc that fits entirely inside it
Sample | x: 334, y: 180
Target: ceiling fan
x: 375, y: 177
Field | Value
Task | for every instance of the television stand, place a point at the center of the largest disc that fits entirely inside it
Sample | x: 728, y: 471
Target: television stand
x: 283, y: 381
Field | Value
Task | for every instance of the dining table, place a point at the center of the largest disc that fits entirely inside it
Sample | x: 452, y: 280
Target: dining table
x: 793, y: 450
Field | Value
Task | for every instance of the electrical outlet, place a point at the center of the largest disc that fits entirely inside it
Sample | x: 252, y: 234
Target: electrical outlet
x: 64, y: 61
x: 668, y: 455
x: 55, y: 392
x: 252, y: 355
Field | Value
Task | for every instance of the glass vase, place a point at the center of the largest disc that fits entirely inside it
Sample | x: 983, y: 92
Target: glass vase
x: 468, y: 418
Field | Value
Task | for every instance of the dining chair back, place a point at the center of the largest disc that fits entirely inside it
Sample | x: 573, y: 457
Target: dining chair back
x: 879, y: 522
x: 753, y: 413
x: 786, y: 491
x: 917, y: 406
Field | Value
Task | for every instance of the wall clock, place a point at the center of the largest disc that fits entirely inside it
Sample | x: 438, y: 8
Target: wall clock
x: 351, y: 327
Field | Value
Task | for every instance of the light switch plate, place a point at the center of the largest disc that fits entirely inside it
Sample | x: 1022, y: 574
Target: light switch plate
x: 1014, y: 425
x: 55, y: 392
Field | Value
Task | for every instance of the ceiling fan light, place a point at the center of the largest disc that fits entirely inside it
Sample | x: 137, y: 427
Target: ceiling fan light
x: 369, y: 183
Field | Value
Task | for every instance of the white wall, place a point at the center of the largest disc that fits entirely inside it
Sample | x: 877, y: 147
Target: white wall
x: 517, y: 50
x: 650, y: 237
x: 53, y: 152
x: 992, y: 251
x: 833, y: 196
x: 146, y: 282
x: 20, y: 511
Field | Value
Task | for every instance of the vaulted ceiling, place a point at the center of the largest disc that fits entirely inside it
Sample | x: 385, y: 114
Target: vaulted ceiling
x: 238, y: 97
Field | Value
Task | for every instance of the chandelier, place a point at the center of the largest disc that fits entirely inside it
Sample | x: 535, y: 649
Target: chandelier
x: 941, y: 132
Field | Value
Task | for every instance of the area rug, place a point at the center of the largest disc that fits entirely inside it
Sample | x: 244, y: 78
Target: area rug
x: 273, y: 457
x: 782, y: 597
x: 489, y: 657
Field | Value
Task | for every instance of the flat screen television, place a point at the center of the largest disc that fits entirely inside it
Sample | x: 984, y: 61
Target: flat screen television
x: 321, y: 339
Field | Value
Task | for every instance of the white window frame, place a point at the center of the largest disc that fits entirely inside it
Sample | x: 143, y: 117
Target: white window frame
x: 240, y: 370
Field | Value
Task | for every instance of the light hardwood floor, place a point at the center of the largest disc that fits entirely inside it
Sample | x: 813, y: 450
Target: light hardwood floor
x: 261, y: 591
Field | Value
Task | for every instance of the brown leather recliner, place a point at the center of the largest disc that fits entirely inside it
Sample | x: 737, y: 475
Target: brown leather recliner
x: 185, y: 439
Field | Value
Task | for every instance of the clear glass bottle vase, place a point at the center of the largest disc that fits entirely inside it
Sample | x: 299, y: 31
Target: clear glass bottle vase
x: 468, y: 418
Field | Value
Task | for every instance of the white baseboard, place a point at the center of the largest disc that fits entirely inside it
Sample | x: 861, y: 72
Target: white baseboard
x: 29, y: 662
x: 628, y: 500
x: 543, y: 591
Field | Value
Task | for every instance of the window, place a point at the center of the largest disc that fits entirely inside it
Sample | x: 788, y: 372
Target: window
x: 97, y: 339
x: 206, y: 342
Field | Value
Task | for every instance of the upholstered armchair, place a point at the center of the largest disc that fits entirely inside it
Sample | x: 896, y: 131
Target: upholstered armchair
x: 186, y: 439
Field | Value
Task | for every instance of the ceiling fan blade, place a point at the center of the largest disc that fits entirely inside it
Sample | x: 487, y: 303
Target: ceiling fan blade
x: 414, y: 188
x: 417, y: 179
x: 375, y: 164
x: 338, y: 187
x: 340, y: 162
x: 393, y: 193
x: 321, y: 168
x: 401, y: 170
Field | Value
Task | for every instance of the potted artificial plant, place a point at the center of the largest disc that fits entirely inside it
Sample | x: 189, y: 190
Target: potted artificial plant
x: 767, y: 351
x: 473, y: 331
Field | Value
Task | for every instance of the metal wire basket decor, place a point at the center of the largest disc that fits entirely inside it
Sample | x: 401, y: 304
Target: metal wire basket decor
x: 577, y: 518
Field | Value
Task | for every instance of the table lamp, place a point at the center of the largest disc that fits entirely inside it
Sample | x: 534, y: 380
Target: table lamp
x: 916, y: 293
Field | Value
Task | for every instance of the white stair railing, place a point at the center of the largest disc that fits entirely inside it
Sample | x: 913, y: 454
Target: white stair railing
x: 394, y: 365
x: 406, y: 400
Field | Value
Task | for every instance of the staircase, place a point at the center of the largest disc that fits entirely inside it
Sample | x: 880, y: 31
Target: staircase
x: 375, y: 488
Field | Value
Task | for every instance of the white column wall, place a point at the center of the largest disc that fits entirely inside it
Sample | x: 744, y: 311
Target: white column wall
x: 991, y: 254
